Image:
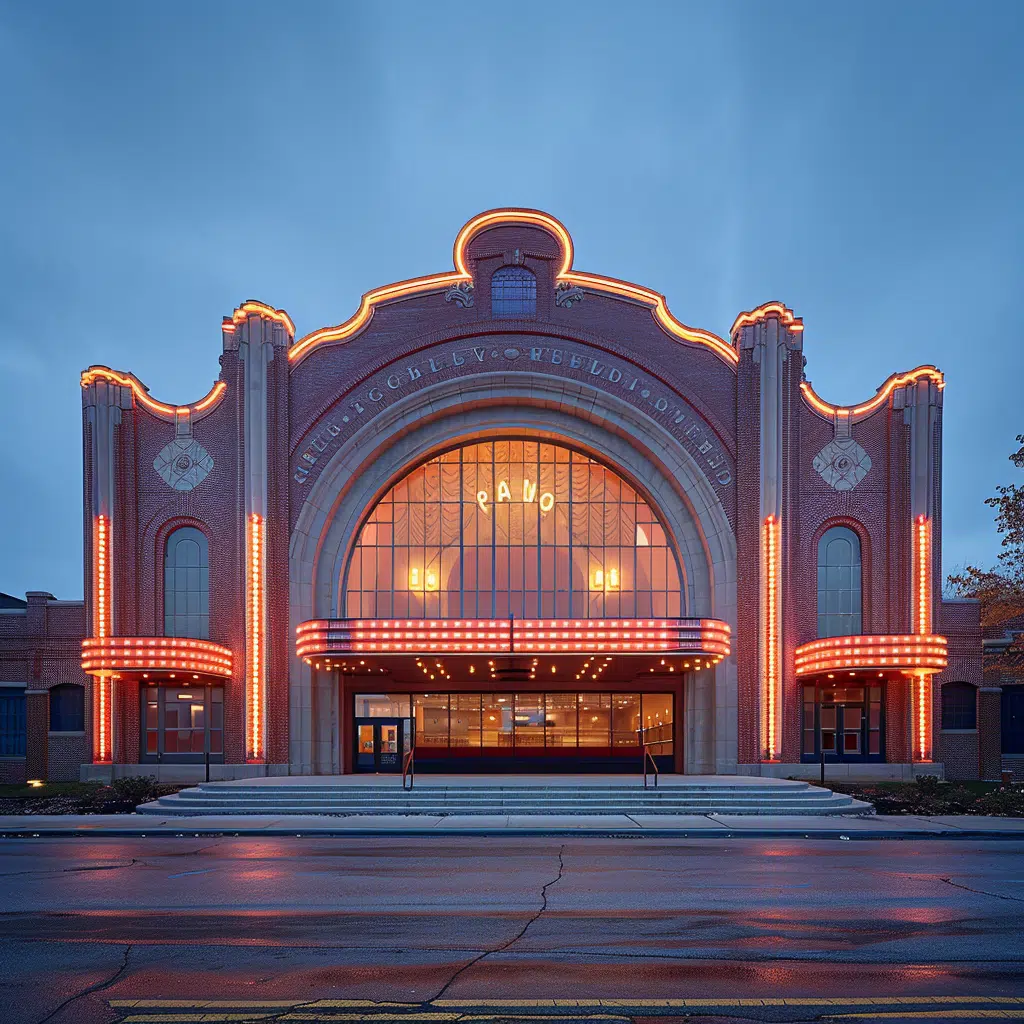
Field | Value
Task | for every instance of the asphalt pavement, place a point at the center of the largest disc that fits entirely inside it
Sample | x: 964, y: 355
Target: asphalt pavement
x: 160, y: 930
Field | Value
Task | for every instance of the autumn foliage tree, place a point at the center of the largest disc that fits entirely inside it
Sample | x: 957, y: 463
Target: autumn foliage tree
x: 1001, y: 588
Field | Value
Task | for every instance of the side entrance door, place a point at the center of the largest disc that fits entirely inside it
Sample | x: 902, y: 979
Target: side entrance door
x: 379, y: 744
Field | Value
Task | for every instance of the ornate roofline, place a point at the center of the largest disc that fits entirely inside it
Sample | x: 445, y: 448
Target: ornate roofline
x: 865, y: 408
x: 142, y: 395
x: 493, y: 218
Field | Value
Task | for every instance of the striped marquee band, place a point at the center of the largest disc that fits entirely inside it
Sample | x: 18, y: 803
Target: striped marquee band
x: 920, y: 654
x: 324, y: 637
x: 104, y: 655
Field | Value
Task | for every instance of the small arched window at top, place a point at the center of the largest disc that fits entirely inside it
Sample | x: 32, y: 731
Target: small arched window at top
x: 839, y: 583
x: 187, y: 584
x: 513, y: 293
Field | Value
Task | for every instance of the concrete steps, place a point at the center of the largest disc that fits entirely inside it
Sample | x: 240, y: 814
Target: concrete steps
x: 761, y: 797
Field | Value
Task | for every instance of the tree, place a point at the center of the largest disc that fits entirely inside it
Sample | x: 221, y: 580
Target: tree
x: 1001, y: 588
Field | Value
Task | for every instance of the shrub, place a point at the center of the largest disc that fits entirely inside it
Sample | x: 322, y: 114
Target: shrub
x: 137, y: 788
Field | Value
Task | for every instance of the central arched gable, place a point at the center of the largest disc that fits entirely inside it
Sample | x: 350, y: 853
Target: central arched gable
x: 430, y: 419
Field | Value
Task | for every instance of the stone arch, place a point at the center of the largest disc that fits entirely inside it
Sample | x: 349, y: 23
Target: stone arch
x: 432, y: 419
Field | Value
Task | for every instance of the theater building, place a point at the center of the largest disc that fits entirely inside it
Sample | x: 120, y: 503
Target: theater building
x: 520, y: 518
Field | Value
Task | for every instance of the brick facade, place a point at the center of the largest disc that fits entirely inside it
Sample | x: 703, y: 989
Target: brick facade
x: 298, y: 432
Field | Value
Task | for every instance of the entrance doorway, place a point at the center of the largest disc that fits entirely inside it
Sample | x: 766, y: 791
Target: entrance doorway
x: 845, y: 723
x: 379, y: 744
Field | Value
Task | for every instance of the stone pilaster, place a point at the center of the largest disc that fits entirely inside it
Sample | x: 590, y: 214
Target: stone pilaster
x: 262, y: 337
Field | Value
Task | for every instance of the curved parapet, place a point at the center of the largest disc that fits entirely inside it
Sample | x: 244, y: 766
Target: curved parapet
x: 254, y: 307
x: 566, y: 277
x: 768, y: 309
x: 856, y: 412
x: 205, y: 405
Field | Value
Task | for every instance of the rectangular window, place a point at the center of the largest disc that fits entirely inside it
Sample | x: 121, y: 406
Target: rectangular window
x: 656, y: 720
x: 561, y: 719
x: 465, y: 720
x: 497, y: 720
x: 529, y: 720
x: 595, y: 715
x: 431, y: 711
x: 12, y: 723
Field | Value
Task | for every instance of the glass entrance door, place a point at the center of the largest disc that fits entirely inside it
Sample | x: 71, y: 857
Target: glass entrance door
x: 379, y: 744
x: 843, y: 723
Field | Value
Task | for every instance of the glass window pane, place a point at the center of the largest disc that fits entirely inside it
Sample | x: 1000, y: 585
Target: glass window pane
x: 561, y: 719
x: 465, y: 720
x: 529, y: 720
x: 626, y: 720
x: 431, y: 711
x: 657, y: 722
x: 497, y: 720
x: 595, y: 719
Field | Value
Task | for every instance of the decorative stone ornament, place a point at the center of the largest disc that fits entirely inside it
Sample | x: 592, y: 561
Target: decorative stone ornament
x: 184, y: 463
x: 842, y: 463
x: 567, y: 294
x: 461, y: 293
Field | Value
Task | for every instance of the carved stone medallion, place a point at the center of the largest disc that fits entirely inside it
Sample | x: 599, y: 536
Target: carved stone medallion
x: 184, y: 463
x: 842, y: 464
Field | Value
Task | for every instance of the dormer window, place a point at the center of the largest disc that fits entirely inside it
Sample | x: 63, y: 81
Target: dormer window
x: 513, y: 293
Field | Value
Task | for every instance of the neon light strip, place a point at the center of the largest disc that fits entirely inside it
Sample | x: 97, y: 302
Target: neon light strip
x: 770, y: 562
x: 897, y: 380
x: 915, y: 653
x: 128, y: 380
x: 922, y: 625
x: 697, y: 636
x: 136, y: 654
x: 791, y: 322
x: 101, y: 629
x: 461, y: 274
x: 255, y: 538
x: 260, y: 309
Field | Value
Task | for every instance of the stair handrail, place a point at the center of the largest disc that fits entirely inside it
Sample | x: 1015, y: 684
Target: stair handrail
x: 648, y: 756
x: 409, y: 768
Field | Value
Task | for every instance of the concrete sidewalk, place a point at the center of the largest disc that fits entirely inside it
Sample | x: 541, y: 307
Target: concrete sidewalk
x: 682, y: 826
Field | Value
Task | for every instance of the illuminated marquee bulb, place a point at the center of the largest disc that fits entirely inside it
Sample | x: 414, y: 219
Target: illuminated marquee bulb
x: 414, y: 579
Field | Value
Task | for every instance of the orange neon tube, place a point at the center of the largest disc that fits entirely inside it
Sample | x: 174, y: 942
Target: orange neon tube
x: 897, y: 380
x: 495, y: 218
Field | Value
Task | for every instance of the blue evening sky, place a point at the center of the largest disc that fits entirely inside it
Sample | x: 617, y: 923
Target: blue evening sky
x: 163, y: 162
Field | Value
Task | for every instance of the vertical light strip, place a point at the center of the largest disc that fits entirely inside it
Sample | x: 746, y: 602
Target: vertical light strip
x: 770, y: 619
x: 256, y: 632
x: 922, y: 625
x: 101, y: 628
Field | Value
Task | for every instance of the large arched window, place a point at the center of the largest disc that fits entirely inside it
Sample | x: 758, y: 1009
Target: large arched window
x: 513, y: 292
x: 517, y: 528
x: 839, y: 599
x: 959, y: 706
x: 187, y: 584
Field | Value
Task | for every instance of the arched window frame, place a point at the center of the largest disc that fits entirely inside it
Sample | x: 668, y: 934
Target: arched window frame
x: 173, y: 620
x: 65, y: 718
x: 856, y: 618
x: 513, y: 293
x: 959, y: 706
x: 674, y: 564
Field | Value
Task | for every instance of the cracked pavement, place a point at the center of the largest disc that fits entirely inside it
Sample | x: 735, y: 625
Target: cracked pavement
x: 430, y: 922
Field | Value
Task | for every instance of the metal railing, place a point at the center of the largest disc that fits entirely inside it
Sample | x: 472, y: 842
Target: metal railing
x: 649, y: 757
x: 409, y: 769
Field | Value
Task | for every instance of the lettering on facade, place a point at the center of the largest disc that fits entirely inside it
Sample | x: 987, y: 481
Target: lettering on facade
x: 547, y: 499
x: 602, y: 372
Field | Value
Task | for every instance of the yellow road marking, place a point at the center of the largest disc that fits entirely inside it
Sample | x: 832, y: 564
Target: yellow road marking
x: 933, y: 1015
